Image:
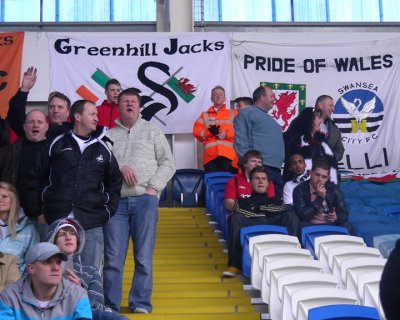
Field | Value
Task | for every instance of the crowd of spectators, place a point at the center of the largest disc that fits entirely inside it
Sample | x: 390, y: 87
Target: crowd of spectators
x: 81, y: 180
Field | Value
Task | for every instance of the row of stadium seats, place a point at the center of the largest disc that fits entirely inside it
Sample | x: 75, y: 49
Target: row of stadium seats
x: 354, y: 274
x: 292, y: 283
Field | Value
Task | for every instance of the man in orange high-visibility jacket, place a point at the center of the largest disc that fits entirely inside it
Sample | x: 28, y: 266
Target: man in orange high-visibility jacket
x: 214, y: 128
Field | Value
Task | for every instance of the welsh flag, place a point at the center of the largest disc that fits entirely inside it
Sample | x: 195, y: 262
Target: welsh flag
x: 290, y: 100
x: 182, y: 87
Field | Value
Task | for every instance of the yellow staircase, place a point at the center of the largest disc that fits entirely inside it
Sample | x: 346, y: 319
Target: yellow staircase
x: 188, y: 262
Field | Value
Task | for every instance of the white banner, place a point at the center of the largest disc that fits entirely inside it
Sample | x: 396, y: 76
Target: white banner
x: 174, y: 72
x: 360, y: 72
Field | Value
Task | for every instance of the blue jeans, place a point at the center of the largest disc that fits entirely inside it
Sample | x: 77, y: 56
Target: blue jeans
x: 92, y: 253
x: 136, y: 217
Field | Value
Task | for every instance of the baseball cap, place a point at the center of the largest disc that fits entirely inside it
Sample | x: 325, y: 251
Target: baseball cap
x: 43, y: 251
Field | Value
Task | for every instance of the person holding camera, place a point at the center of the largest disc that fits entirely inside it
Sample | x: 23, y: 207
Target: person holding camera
x: 214, y: 129
x: 319, y: 201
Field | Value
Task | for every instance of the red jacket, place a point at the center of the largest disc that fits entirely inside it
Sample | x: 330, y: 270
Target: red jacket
x: 238, y: 187
x: 107, y: 114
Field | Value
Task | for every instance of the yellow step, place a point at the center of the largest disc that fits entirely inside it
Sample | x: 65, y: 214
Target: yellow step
x: 187, y: 265
x: 198, y: 309
x: 233, y: 286
x: 211, y: 316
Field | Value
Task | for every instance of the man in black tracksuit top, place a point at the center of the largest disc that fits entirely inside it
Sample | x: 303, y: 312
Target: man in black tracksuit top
x: 81, y: 179
x: 255, y: 210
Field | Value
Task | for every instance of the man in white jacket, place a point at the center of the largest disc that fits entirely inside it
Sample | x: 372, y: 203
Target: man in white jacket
x: 146, y: 164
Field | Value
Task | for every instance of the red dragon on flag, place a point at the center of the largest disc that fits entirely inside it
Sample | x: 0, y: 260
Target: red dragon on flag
x: 290, y: 100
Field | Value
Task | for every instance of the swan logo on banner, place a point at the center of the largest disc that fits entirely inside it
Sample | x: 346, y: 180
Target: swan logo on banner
x: 359, y: 114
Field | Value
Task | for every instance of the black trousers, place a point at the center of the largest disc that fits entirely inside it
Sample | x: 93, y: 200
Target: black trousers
x: 237, y: 221
x: 219, y: 164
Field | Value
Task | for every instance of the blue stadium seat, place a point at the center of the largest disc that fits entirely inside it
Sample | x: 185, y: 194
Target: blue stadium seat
x: 163, y: 195
x: 212, y: 201
x: 214, y: 178
x: 188, y: 188
x: 343, y: 312
x: 224, y: 221
x: 248, y: 232
x: 308, y: 234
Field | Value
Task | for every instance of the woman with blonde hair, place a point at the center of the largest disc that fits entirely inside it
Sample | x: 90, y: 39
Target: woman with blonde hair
x: 17, y: 233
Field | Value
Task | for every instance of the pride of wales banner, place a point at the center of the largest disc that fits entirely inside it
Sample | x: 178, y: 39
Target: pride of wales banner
x: 361, y: 74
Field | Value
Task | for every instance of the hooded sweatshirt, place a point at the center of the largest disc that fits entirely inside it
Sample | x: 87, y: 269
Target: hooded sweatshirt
x: 90, y: 276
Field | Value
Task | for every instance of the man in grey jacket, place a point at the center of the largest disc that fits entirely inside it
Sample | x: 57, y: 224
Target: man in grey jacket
x: 328, y: 127
x: 43, y: 293
x: 146, y: 164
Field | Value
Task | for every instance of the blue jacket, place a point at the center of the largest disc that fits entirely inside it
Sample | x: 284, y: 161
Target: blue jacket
x: 27, y: 237
x: 70, y: 302
x: 256, y: 129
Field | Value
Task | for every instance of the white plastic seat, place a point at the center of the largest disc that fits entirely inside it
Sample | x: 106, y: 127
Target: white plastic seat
x: 322, y: 244
x: 367, y: 278
x: 265, y: 241
x: 289, y: 283
x: 270, y: 254
x: 270, y: 238
x: 351, y: 269
x: 274, y: 269
x: 372, y: 299
x: 304, y: 300
x: 337, y: 255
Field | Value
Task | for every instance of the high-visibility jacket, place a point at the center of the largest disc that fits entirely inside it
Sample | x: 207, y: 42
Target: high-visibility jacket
x: 214, y: 147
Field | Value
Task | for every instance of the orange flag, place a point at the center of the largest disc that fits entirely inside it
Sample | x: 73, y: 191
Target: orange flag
x: 11, y: 44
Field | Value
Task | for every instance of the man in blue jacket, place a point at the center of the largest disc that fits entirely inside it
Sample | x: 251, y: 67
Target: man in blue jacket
x: 256, y: 129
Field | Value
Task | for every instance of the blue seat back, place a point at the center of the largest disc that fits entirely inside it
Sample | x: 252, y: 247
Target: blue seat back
x: 246, y: 233
x: 343, y: 312
x: 214, y: 178
x: 188, y: 187
x: 224, y: 221
x: 213, y: 189
x: 308, y: 234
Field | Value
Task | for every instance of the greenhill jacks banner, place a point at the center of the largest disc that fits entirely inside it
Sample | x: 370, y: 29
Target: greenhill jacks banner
x: 173, y: 73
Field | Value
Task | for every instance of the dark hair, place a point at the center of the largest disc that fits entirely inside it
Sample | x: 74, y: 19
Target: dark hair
x: 258, y: 169
x: 129, y: 92
x: 322, y: 98
x: 321, y: 164
x: 306, y: 121
x: 110, y: 82
x: 246, y: 100
x: 260, y: 91
x: 77, y: 107
x: 59, y: 95
x: 251, y: 154
x: 295, y: 153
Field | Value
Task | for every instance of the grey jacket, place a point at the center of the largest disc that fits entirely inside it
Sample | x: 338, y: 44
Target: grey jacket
x: 335, y: 140
x: 70, y: 302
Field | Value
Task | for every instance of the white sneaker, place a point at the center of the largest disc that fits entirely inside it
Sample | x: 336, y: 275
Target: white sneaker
x: 140, y: 310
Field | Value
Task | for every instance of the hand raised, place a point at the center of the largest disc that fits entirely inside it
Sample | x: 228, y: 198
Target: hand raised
x: 29, y: 79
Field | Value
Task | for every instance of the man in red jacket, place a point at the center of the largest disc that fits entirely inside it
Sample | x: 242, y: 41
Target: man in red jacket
x: 108, y: 110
